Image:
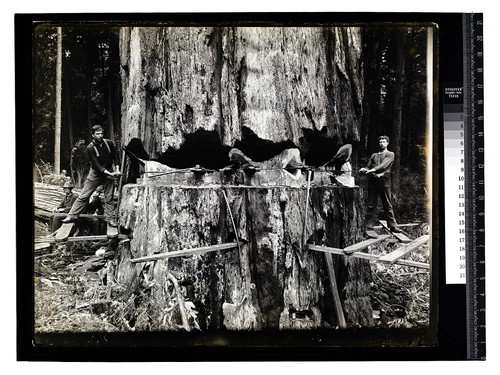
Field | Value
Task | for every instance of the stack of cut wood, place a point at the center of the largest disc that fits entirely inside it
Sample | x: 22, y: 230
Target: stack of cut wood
x: 47, y: 197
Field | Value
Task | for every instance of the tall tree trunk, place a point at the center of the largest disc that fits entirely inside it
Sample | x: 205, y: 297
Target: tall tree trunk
x: 109, y: 109
x: 199, y: 92
x: 395, y: 106
x: 406, y: 130
x: 88, y: 100
x: 68, y: 111
x: 57, y: 136
x: 312, y: 76
x: 372, y: 57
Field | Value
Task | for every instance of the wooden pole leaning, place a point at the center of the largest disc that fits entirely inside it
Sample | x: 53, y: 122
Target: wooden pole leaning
x: 304, y: 228
x: 335, y: 291
x: 120, y: 182
x: 232, y: 219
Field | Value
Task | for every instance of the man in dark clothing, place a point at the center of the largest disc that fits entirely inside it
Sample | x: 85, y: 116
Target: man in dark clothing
x: 93, y: 226
x: 64, y: 206
x: 379, y: 183
x: 95, y: 205
x: 104, y: 168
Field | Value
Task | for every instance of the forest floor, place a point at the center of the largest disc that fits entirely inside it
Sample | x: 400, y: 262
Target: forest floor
x: 401, y: 294
x: 71, y: 293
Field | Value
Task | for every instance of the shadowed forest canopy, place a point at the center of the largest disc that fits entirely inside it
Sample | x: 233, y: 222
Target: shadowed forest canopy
x: 91, y: 87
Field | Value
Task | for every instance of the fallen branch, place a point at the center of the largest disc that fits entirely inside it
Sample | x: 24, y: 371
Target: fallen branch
x: 180, y: 301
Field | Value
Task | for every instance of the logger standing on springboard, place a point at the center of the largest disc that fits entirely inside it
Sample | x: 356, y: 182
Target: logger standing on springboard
x: 379, y: 183
x: 103, y: 170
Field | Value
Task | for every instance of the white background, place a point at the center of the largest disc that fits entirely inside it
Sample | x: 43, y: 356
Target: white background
x: 7, y: 271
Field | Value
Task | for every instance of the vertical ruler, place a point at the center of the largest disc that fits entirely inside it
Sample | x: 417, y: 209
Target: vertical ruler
x: 474, y: 186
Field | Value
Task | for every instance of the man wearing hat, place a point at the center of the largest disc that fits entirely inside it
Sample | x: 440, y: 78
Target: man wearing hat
x: 103, y: 170
x: 65, y: 205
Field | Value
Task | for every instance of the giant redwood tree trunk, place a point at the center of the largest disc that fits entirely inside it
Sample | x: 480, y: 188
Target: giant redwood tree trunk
x: 280, y: 84
x: 199, y: 92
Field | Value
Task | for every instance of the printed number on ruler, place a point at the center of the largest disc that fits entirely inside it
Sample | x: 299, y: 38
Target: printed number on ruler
x: 461, y: 204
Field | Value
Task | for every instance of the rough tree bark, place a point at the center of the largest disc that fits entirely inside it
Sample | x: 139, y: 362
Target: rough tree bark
x: 270, y: 281
x: 282, y: 86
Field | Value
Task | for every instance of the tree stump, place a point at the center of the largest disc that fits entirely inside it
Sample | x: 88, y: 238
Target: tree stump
x: 270, y: 281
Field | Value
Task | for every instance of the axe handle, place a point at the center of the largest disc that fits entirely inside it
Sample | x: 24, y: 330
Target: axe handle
x: 122, y: 167
x: 309, y: 173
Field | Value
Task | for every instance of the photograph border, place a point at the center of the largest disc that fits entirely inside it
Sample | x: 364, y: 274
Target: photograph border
x: 443, y: 339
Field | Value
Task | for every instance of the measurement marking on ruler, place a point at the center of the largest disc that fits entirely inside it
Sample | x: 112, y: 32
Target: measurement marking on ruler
x: 473, y: 106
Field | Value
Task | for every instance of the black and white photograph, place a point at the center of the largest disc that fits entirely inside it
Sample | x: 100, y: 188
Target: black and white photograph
x: 235, y: 178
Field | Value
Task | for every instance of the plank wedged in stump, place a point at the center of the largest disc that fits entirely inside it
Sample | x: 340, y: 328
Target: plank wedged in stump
x: 80, y: 238
x: 405, y: 249
x: 95, y: 238
x: 185, y: 252
x: 364, y: 244
x: 326, y: 249
x: 371, y: 257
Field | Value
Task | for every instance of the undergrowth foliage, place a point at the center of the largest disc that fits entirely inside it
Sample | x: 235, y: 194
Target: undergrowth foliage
x: 44, y: 172
x: 75, y: 291
x: 413, y: 197
x: 79, y: 295
x: 400, y: 294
